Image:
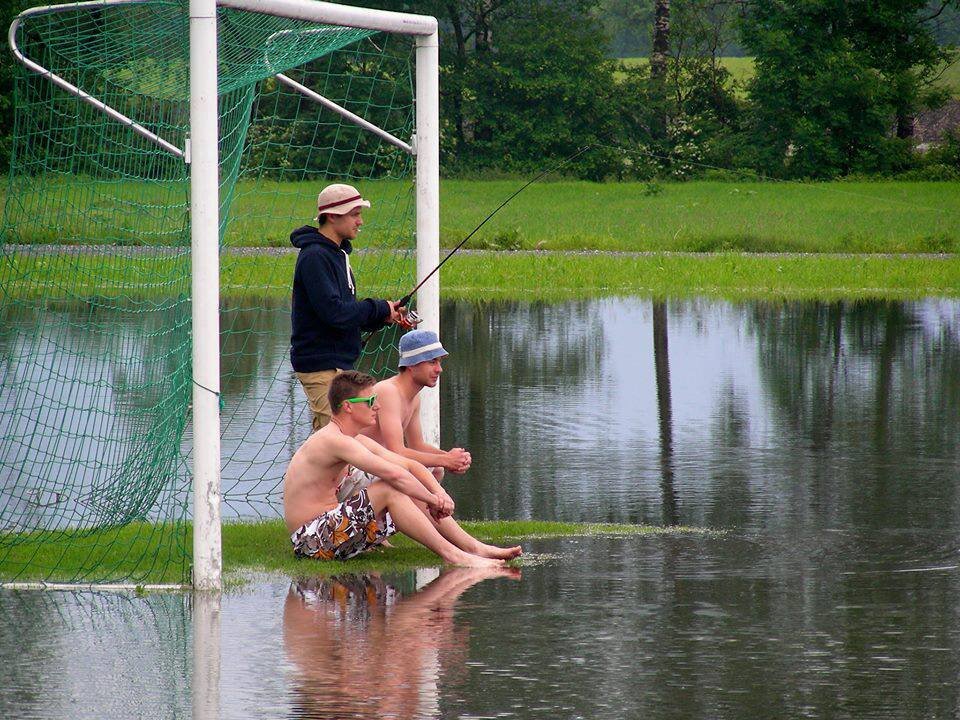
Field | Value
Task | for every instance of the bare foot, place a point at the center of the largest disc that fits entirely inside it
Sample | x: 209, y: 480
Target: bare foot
x: 466, y: 559
x: 501, y: 553
x: 473, y: 575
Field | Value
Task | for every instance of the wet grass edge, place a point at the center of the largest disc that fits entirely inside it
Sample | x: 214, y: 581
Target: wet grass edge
x: 492, y: 276
x: 119, y: 554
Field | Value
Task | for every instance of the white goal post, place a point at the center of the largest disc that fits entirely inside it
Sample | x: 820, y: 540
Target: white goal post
x: 200, y: 152
x: 204, y: 207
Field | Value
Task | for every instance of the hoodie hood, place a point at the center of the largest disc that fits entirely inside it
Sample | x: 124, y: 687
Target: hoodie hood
x: 309, y: 235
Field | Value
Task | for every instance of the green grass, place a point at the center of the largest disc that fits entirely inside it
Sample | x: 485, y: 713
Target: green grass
x: 858, y: 217
x: 742, y: 68
x: 139, y: 553
x: 709, y: 216
x: 248, y: 548
x: 841, y: 239
x: 525, y: 276
x: 265, y: 546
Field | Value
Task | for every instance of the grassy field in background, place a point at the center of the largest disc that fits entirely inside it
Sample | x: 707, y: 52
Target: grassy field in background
x: 706, y: 216
x: 718, y: 239
x: 741, y: 70
x: 247, y: 548
x: 701, y: 216
x: 485, y: 276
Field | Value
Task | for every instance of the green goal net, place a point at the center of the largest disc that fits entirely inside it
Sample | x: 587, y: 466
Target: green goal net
x: 95, y: 317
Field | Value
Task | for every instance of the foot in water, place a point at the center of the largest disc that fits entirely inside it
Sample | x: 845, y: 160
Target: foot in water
x: 465, y: 559
x: 501, y: 553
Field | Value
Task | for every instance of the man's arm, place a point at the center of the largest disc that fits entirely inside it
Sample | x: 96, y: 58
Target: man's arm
x: 390, y: 423
x: 362, y: 452
x: 426, y: 478
x: 455, y: 459
x: 409, y: 442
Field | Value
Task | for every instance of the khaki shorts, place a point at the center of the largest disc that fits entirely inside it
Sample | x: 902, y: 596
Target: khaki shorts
x: 315, y: 386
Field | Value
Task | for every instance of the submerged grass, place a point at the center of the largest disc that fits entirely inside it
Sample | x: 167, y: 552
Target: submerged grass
x: 153, y: 554
x: 265, y: 546
x: 479, y: 276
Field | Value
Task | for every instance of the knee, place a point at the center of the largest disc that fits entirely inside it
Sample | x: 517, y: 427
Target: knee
x: 384, y: 493
x: 437, y: 473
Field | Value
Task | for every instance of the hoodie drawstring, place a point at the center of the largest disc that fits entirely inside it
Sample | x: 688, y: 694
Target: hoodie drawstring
x: 349, y: 273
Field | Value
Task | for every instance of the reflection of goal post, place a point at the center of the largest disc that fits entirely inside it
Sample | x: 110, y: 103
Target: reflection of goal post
x: 293, y: 27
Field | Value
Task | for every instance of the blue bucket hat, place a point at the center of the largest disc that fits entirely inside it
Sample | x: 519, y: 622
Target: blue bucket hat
x: 419, y: 346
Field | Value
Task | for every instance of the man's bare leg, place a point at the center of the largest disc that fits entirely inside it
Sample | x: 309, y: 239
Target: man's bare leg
x: 411, y: 521
x: 451, y: 530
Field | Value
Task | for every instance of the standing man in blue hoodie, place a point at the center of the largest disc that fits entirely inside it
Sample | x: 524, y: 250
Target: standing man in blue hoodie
x: 327, y: 318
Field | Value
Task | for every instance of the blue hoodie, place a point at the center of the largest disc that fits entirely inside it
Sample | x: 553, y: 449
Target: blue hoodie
x: 327, y: 317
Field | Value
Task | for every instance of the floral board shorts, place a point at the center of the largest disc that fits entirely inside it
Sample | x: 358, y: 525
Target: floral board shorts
x: 349, y: 529
x: 353, y: 482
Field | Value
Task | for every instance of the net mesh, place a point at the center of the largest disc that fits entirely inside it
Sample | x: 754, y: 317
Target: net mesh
x: 95, y: 342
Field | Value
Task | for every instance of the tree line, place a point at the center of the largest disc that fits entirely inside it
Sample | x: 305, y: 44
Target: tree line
x: 525, y: 83
x: 836, y: 89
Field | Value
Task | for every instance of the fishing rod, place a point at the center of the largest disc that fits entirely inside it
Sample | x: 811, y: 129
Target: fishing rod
x: 412, y: 321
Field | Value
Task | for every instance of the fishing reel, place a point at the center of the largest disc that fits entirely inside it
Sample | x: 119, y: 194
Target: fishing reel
x: 409, y: 320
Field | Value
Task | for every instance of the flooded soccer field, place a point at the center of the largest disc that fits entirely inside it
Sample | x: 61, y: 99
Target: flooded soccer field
x: 818, y: 442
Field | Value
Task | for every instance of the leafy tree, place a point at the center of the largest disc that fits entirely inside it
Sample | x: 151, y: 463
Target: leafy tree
x: 832, y: 77
x: 8, y: 70
x: 523, y: 81
x: 627, y: 23
x: 679, y: 110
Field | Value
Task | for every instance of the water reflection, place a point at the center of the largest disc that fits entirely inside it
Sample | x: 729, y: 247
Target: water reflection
x: 361, y: 648
x: 840, y: 624
x: 760, y: 415
x: 661, y: 362
x: 92, y: 654
x: 732, y: 627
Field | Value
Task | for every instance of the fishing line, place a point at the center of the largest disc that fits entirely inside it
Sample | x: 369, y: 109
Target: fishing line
x: 409, y: 296
x: 406, y: 298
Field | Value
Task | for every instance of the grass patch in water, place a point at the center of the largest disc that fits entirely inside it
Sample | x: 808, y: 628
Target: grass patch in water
x: 265, y: 546
x: 146, y: 554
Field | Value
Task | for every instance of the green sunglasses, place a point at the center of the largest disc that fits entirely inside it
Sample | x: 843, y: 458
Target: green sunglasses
x: 368, y: 400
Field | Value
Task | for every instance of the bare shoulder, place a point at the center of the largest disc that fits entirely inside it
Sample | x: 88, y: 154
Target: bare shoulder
x: 325, y: 445
x: 369, y: 443
x: 387, y: 389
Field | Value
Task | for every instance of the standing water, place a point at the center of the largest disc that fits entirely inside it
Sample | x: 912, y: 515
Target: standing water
x: 819, y: 443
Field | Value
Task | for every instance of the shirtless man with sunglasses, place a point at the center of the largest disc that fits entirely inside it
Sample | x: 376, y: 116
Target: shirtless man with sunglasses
x: 407, y: 497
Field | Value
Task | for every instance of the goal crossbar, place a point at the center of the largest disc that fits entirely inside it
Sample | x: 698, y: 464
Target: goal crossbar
x: 322, y: 12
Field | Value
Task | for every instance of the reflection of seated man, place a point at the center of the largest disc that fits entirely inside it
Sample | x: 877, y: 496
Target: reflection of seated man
x: 398, y: 420
x: 408, y: 498
x: 343, y: 632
